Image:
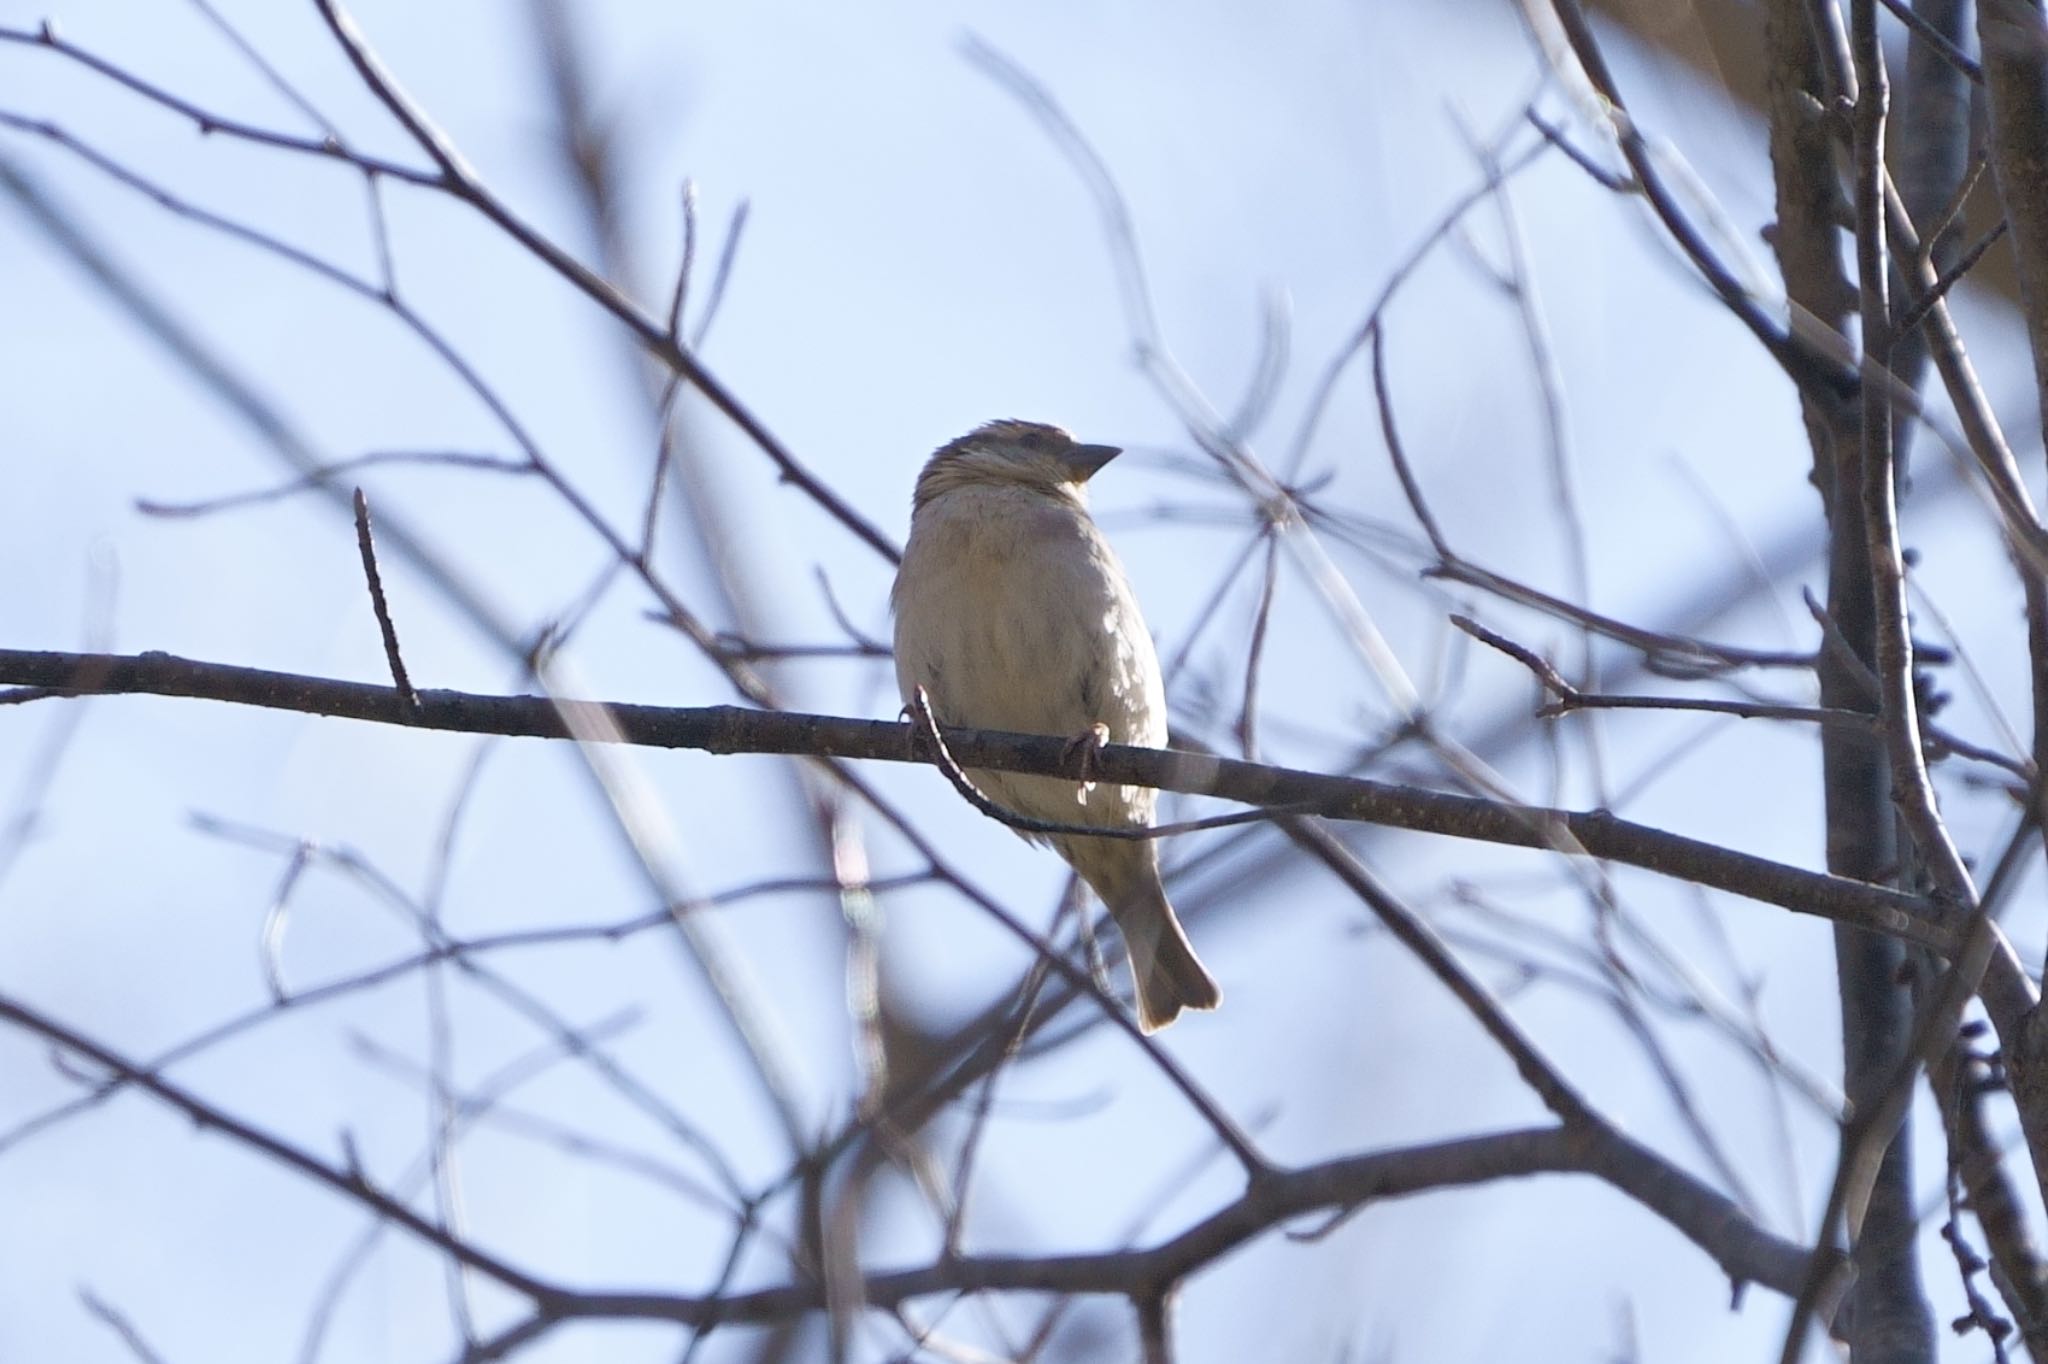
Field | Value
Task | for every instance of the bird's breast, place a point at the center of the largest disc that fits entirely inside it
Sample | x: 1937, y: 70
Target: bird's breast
x: 1013, y: 613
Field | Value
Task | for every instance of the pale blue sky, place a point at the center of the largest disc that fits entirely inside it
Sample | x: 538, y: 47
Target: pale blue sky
x: 918, y: 258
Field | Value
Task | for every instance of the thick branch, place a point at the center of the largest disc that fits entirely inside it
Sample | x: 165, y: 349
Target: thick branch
x: 1893, y: 1322
x: 736, y: 729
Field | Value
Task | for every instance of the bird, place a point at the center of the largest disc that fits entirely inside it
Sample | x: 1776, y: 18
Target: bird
x: 1013, y: 613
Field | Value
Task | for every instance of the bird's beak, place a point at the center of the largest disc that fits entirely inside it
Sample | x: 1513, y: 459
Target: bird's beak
x: 1087, y: 460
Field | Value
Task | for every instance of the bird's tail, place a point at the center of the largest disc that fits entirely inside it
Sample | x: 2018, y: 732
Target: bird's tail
x: 1168, y: 975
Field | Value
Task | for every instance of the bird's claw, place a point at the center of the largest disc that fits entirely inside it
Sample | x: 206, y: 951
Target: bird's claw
x: 1080, y: 754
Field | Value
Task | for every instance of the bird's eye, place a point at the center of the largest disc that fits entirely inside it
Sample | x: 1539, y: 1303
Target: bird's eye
x: 1034, y: 441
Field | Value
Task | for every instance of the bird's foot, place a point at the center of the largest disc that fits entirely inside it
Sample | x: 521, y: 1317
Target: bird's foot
x: 924, y: 725
x: 1080, y: 755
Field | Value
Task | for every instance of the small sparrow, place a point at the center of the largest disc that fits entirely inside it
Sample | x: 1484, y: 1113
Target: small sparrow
x: 1012, y: 612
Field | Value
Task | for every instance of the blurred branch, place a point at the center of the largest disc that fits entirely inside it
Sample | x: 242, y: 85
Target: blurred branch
x: 1815, y: 372
x: 1962, y: 1080
x: 1570, y: 698
x: 1671, y: 655
x: 461, y: 181
x: 1930, y: 134
x: 1557, y: 1093
x: 328, y: 145
x: 735, y: 729
x: 117, y: 1321
x: 1746, y: 1253
x: 589, y: 143
x: 348, y: 1181
x: 2013, y: 38
x: 453, y: 176
x: 725, y: 973
x: 465, y: 950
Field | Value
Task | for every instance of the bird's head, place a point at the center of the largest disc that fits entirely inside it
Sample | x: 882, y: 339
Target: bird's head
x: 1029, y: 455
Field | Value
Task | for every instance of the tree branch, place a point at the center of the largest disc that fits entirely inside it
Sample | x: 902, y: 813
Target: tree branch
x: 737, y: 729
x: 1745, y: 1252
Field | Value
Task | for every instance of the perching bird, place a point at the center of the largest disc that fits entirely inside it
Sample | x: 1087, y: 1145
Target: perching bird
x: 1012, y: 612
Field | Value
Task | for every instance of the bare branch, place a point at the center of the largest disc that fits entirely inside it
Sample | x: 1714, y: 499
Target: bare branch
x: 1745, y: 1253
x: 733, y: 729
x: 385, y: 627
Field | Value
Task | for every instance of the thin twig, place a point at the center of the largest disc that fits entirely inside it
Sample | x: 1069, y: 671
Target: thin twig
x: 385, y: 626
x: 721, y: 275
x: 684, y: 268
x: 117, y: 1321
x: 350, y: 1182
x: 1552, y: 680
x: 329, y: 474
x: 1949, y: 278
x: 1248, y: 711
